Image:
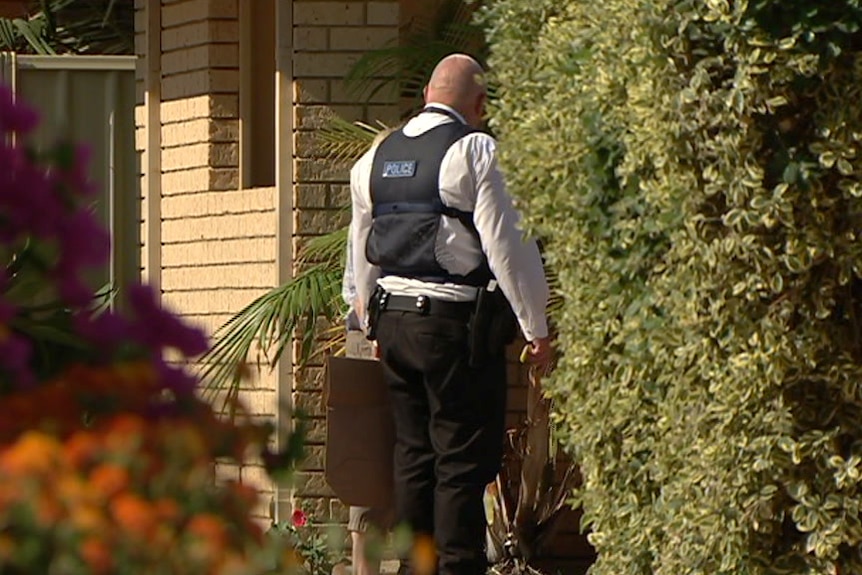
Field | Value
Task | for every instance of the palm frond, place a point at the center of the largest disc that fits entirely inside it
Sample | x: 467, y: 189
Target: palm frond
x: 33, y: 35
x: 73, y: 27
x: 267, y: 326
x: 8, y: 36
x: 327, y: 249
x: 340, y: 140
x: 409, y: 63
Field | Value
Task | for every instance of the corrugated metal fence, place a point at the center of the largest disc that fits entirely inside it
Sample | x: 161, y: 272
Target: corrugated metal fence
x: 91, y: 100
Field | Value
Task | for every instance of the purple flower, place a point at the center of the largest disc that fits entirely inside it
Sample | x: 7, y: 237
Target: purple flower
x: 15, y: 354
x: 7, y: 311
x: 83, y: 244
x: 27, y: 200
x: 15, y: 116
x: 106, y: 330
x: 73, y: 290
x: 176, y: 379
x: 158, y: 328
x: 84, y: 241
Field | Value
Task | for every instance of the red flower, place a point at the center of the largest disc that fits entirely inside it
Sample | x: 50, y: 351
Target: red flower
x: 299, y: 518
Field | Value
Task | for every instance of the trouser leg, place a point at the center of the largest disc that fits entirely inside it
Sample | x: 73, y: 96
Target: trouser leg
x: 413, y: 454
x: 449, y: 423
x: 467, y: 426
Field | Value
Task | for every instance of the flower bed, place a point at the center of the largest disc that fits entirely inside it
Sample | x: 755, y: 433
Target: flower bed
x: 106, y: 453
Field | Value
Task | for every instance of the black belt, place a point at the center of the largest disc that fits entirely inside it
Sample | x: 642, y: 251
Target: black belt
x: 426, y: 306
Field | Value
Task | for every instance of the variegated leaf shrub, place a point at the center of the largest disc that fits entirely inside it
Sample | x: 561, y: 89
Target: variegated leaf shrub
x: 695, y: 167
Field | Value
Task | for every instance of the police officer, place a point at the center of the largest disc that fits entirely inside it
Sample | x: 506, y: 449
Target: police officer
x: 432, y: 225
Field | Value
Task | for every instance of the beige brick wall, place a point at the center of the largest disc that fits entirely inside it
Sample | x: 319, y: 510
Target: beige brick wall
x: 329, y: 37
x: 217, y: 241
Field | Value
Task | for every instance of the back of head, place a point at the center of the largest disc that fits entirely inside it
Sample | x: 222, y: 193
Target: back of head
x: 458, y: 81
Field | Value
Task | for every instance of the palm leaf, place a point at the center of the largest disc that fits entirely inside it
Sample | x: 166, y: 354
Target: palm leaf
x: 327, y: 249
x: 73, y: 26
x: 32, y: 34
x: 527, y: 501
x: 408, y: 64
x: 8, y: 35
x: 340, y: 140
x: 268, y: 323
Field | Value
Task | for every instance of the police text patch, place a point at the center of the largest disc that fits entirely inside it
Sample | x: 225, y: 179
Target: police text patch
x: 404, y: 169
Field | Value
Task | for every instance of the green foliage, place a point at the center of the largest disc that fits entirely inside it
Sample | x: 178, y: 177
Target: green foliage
x: 696, y: 166
x: 72, y: 27
x: 266, y: 326
x: 309, y: 549
x: 408, y: 62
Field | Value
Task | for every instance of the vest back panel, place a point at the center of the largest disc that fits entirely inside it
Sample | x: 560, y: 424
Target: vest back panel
x: 407, y: 210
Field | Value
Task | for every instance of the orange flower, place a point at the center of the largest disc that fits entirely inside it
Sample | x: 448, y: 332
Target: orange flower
x: 97, y: 555
x: 82, y: 448
x: 7, y: 548
x: 207, y: 543
x: 88, y: 518
x: 125, y: 433
x: 109, y: 479
x: 72, y: 490
x: 10, y: 493
x: 34, y: 453
x: 232, y: 564
x: 134, y: 515
x: 209, y: 527
x: 47, y: 509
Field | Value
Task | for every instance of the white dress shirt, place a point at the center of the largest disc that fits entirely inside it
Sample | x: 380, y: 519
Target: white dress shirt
x: 469, y: 181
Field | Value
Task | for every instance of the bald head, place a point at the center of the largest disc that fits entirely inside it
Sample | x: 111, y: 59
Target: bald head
x: 459, y: 82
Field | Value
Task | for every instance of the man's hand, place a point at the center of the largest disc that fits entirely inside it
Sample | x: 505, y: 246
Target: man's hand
x: 538, y: 353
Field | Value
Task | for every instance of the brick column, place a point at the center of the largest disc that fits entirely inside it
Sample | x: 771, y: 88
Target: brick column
x: 217, y: 241
x: 328, y: 37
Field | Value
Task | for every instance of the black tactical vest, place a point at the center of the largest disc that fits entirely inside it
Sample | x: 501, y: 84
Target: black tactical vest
x: 407, y: 210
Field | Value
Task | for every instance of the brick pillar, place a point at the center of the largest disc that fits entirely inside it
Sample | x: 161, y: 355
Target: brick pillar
x: 328, y: 37
x: 217, y: 240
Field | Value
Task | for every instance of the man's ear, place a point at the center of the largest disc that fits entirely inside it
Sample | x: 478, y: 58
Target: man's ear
x: 481, y: 100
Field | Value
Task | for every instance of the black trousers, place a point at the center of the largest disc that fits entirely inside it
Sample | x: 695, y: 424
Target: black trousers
x: 449, y: 426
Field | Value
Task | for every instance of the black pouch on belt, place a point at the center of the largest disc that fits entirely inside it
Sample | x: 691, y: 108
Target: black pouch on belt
x: 492, y: 325
x: 374, y: 312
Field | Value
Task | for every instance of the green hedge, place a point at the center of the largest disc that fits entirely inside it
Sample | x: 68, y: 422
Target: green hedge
x: 695, y: 168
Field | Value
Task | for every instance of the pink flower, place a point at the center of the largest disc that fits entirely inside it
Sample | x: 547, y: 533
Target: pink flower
x: 299, y: 518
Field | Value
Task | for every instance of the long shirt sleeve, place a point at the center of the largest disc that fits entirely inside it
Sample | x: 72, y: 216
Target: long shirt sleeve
x: 514, y: 259
x: 365, y: 274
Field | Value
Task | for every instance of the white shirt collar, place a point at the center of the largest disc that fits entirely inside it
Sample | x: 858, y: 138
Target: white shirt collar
x: 447, y: 108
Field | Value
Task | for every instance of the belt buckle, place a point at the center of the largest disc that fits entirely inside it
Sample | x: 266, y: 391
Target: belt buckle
x: 422, y: 304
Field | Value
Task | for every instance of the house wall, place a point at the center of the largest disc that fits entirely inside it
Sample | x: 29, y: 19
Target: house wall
x: 208, y: 240
x: 208, y: 243
x: 328, y: 38
x: 213, y: 243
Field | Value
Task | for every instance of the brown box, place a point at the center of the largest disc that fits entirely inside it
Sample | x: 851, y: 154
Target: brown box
x: 360, y: 435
